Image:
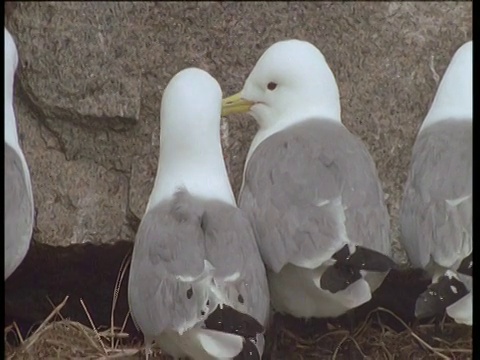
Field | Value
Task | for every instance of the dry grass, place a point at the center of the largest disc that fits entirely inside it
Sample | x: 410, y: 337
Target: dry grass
x: 374, y: 338
x: 61, y: 338
x: 64, y: 339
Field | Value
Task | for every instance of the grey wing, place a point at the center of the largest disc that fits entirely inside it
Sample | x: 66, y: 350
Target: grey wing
x: 18, y: 211
x: 309, y: 191
x: 232, y: 249
x: 436, y: 214
x: 165, y: 285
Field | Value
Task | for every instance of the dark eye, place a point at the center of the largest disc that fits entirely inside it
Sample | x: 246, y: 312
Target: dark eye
x: 271, y: 86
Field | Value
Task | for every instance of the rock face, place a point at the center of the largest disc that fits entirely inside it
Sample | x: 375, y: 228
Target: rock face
x: 91, y: 77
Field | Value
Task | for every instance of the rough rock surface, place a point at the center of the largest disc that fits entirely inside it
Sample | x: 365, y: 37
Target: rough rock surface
x: 92, y: 75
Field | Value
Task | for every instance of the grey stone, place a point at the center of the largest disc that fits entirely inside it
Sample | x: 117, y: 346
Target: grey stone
x: 92, y: 75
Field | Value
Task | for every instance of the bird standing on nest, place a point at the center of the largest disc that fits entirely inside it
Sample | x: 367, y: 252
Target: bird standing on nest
x: 197, y: 283
x: 310, y: 187
x: 436, y: 212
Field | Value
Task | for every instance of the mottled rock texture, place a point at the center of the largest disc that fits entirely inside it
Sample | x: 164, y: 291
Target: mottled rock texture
x: 92, y: 74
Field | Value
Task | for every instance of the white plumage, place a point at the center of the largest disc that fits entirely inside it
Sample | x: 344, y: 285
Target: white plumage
x: 310, y: 187
x: 19, y: 209
x: 436, y: 213
x: 197, y: 285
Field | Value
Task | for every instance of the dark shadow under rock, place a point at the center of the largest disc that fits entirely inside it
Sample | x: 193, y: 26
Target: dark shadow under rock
x: 48, y: 274
x: 89, y: 272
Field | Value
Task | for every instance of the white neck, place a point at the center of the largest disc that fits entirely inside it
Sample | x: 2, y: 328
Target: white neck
x: 11, y: 138
x: 454, y: 97
x: 10, y: 123
x: 200, y: 169
x: 11, y: 61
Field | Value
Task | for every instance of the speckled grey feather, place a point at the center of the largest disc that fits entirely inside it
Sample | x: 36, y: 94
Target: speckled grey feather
x: 174, y: 239
x: 441, y: 170
x: 295, y: 169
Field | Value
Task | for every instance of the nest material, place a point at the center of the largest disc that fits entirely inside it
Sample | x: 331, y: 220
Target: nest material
x: 372, y: 332
x: 374, y: 339
x: 61, y: 338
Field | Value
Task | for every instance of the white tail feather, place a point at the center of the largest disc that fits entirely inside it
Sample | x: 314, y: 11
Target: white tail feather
x: 355, y: 295
x: 218, y: 344
x: 461, y: 311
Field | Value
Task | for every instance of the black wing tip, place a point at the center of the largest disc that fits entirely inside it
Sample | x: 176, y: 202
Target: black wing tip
x: 466, y: 266
x: 249, y: 351
x: 229, y: 320
x: 438, y: 296
x: 365, y: 259
x: 338, y: 277
x: 424, y: 309
x: 428, y: 305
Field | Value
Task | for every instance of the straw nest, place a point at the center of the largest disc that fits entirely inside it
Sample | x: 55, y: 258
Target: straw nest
x: 379, y: 334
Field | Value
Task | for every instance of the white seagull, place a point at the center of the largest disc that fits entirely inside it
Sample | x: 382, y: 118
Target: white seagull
x: 310, y: 187
x: 197, y: 283
x: 436, y: 213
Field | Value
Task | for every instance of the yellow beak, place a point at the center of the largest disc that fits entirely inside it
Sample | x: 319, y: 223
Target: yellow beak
x: 235, y: 105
